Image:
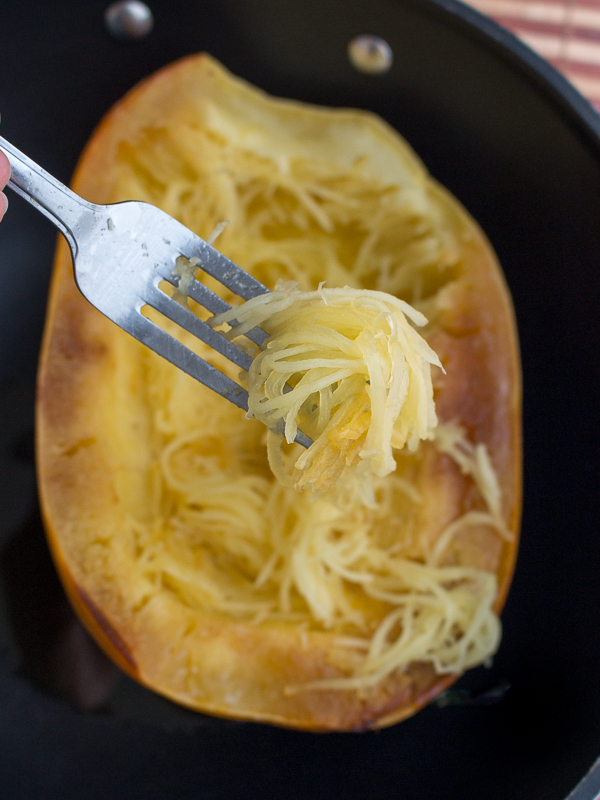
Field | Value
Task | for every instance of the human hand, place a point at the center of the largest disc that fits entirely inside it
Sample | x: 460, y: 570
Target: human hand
x: 4, y: 176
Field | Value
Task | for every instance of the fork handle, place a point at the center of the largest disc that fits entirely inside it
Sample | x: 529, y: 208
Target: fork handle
x: 56, y: 201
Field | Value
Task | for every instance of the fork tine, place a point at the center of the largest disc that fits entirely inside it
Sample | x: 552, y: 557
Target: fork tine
x: 150, y: 334
x: 187, y: 320
x: 209, y: 300
x: 199, y: 292
x: 226, y: 272
x: 216, y: 305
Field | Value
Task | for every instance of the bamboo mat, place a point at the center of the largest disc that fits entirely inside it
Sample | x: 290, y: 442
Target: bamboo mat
x: 565, y: 32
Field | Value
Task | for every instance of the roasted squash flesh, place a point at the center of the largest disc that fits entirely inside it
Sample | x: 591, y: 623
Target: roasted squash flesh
x: 163, y: 516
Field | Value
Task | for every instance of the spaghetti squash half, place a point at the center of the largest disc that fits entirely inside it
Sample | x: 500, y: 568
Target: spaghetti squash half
x: 203, y: 575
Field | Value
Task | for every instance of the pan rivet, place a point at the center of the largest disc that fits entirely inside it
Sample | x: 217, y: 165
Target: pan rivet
x: 370, y: 54
x: 129, y: 19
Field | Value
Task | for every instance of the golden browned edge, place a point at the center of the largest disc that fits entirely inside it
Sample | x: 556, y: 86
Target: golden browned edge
x: 72, y: 468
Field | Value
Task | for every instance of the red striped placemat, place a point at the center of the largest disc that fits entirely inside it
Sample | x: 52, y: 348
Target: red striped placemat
x: 565, y: 32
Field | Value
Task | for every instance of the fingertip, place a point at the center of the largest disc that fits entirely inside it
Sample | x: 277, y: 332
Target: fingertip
x: 4, y: 170
x: 3, y: 204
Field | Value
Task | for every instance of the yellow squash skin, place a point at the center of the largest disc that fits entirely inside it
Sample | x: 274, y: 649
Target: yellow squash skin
x: 94, y: 438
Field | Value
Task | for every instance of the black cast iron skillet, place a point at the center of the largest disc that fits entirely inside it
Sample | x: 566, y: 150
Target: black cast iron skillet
x: 521, y: 150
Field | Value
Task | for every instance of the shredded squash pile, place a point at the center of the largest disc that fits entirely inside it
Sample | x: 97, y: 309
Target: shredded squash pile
x: 348, y: 368
x: 224, y: 534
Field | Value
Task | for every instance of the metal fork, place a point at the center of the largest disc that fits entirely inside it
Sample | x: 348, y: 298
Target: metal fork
x: 122, y: 251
